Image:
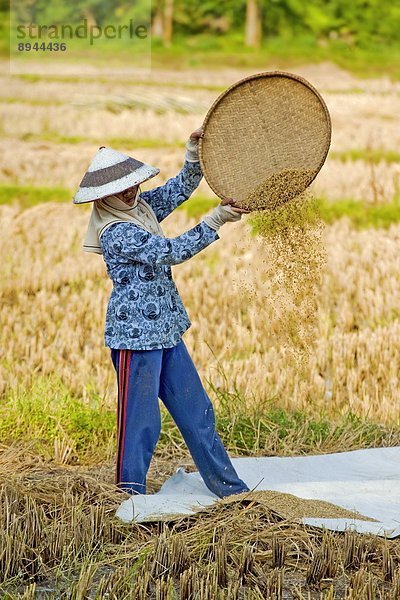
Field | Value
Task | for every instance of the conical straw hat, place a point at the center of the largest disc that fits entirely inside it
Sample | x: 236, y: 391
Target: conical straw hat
x: 111, y: 172
x: 265, y: 125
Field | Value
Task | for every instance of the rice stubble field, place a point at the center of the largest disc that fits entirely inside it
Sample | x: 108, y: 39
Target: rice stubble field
x: 281, y: 384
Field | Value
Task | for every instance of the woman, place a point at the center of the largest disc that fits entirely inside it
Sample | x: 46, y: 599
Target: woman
x: 145, y: 317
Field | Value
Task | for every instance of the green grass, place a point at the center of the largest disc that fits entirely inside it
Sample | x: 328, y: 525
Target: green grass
x: 52, y: 136
x: 31, y: 101
x: 214, y: 52
x: 197, y: 206
x: 361, y: 214
x: 208, y: 50
x: 48, y: 411
x: 124, y: 142
x: 27, y: 196
x: 33, y: 78
x: 374, y: 155
x: 129, y: 143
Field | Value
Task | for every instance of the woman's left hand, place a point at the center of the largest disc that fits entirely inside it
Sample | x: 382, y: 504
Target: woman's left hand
x: 197, y: 133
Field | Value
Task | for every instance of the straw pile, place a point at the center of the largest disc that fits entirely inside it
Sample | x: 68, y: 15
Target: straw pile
x: 59, y: 537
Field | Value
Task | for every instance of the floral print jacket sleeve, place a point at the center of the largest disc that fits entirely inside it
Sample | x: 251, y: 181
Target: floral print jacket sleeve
x: 165, y: 198
x: 126, y: 242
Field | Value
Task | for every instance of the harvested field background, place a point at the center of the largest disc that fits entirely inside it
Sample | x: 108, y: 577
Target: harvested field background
x: 57, y: 415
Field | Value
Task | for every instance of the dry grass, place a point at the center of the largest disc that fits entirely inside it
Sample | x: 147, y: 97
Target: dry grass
x: 54, y: 298
x: 59, y: 536
x: 19, y: 120
x: 365, y: 114
x: 60, y: 164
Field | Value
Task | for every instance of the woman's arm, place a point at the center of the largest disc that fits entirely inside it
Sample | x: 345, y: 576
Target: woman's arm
x: 165, y: 198
x: 129, y: 241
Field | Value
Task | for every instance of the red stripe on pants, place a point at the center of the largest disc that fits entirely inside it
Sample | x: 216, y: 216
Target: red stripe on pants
x: 123, y: 385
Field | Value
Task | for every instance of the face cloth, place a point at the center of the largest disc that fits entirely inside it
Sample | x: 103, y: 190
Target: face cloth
x: 111, y: 210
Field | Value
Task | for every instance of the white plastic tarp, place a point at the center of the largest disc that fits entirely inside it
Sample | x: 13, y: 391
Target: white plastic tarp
x: 367, y: 481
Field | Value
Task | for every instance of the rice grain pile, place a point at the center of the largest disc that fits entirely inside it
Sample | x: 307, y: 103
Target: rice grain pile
x: 286, y: 219
x: 278, y: 189
x: 293, y: 507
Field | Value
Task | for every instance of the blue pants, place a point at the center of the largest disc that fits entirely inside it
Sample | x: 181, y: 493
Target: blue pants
x: 168, y: 374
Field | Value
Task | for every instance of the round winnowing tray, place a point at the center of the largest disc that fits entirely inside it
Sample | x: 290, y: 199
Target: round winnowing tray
x: 265, y: 125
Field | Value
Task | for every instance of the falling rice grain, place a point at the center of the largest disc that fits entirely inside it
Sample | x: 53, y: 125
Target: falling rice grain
x: 285, y: 216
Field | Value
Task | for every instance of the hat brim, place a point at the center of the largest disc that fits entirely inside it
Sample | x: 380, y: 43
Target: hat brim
x: 90, y: 194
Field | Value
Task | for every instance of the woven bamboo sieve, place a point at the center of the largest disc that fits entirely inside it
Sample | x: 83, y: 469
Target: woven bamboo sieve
x: 260, y: 126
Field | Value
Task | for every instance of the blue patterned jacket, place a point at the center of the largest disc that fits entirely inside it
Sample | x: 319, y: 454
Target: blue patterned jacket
x: 145, y: 310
